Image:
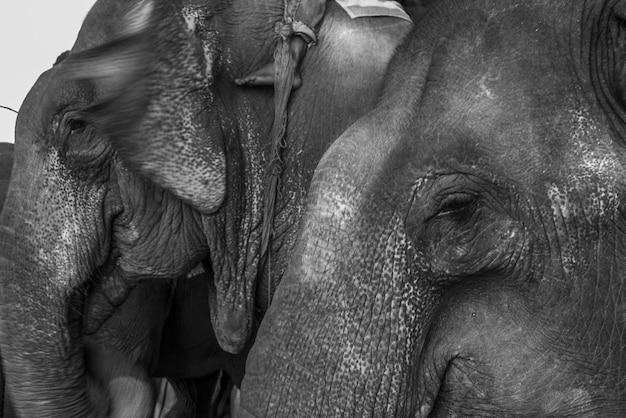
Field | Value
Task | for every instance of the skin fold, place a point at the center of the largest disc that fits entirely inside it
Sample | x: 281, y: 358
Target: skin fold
x: 462, y: 248
x: 137, y: 158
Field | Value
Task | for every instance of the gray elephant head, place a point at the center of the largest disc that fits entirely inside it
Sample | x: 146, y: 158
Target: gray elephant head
x: 462, y: 250
x: 134, y: 335
x: 137, y: 157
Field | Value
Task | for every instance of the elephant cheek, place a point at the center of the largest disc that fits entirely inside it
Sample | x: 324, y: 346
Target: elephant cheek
x: 485, y: 350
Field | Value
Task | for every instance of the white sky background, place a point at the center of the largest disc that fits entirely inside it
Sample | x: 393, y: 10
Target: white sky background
x: 32, y: 34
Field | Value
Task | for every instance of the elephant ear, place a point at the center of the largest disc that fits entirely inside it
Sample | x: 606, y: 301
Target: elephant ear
x: 151, y: 88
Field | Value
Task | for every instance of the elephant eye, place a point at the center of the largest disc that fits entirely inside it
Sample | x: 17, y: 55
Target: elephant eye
x: 457, y: 205
x: 76, y: 125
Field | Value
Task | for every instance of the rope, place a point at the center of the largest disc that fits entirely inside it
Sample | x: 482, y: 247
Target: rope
x: 283, y: 76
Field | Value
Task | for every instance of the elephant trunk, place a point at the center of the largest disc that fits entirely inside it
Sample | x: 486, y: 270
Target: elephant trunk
x: 49, y: 248
x: 338, y: 313
x: 320, y: 332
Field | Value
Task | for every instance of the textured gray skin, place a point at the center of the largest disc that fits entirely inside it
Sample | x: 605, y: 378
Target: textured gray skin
x: 143, y: 317
x: 6, y: 162
x: 114, y: 200
x: 172, y: 347
x: 167, y: 73
x: 462, y: 249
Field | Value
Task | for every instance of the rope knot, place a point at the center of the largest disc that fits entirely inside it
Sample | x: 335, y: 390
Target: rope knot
x: 284, y: 29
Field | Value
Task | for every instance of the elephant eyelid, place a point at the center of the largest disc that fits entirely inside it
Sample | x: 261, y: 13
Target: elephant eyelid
x: 455, y: 204
x: 72, y: 122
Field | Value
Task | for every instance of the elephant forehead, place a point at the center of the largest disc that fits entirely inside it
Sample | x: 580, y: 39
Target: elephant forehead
x: 508, y: 98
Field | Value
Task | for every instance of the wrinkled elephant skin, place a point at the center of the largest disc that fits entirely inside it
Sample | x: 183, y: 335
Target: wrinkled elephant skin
x: 462, y: 249
x: 174, y: 116
x: 137, y: 157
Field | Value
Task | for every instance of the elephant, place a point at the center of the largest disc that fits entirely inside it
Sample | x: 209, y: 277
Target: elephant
x: 149, y: 328
x: 135, y: 327
x: 461, y: 250
x: 137, y: 157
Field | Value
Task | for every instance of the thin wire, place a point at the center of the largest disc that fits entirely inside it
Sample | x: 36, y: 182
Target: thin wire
x: 8, y: 108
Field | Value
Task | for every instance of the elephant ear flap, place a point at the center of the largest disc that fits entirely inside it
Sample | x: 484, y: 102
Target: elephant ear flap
x: 151, y: 91
x: 112, y: 66
x: 116, y: 72
x: 117, y: 64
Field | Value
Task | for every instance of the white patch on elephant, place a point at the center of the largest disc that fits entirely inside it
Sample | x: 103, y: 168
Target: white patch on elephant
x: 592, y: 157
x: 595, y: 167
x: 584, y: 128
x: 603, y: 166
x: 138, y: 17
x: 587, y: 192
x: 194, y: 20
x: 352, y: 47
x: 255, y: 162
x: 602, y: 203
x: 562, y: 211
x: 485, y: 90
x: 191, y: 16
x: 560, y: 202
x: 205, y: 166
x: 338, y: 210
x: 570, y: 206
x: 209, y: 56
x: 67, y: 237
